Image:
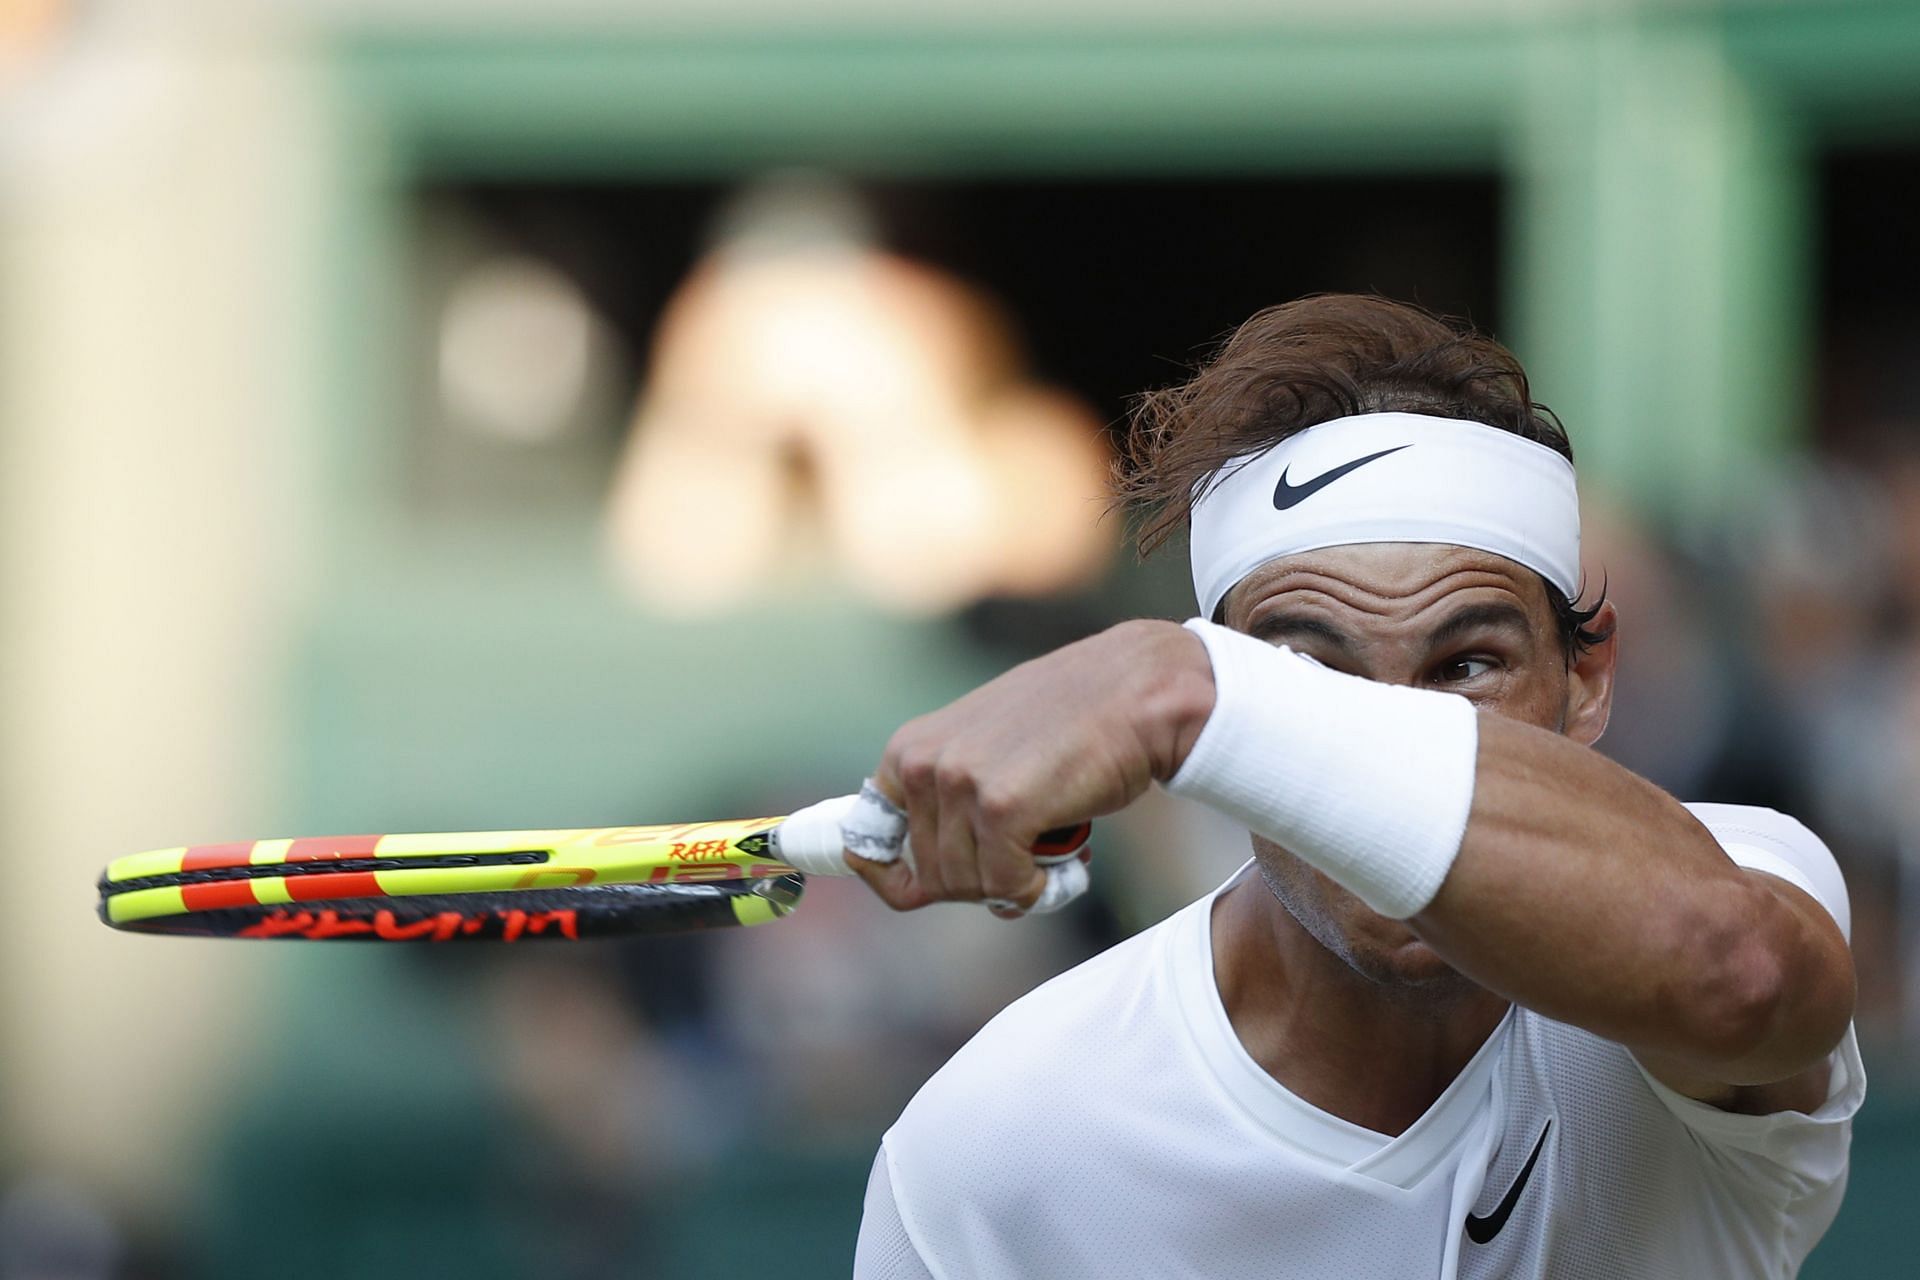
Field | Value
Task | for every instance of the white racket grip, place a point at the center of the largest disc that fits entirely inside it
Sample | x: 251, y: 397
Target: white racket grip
x: 874, y: 827
x: 817, y: 838
x: 1066, y: 881
x: 810, y: 839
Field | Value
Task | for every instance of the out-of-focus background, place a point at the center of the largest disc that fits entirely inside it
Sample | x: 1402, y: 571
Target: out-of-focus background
x: 423, y: 416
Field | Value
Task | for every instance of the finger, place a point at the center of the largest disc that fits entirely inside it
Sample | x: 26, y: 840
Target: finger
x: 959, y: 859
x: 921, y: 799
x: 889, y: 782
x: 886, y: 777
x: 1009, y: 876
x: 892, y: 882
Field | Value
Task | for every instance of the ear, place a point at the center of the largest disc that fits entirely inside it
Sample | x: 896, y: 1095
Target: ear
x: 1590, y: 681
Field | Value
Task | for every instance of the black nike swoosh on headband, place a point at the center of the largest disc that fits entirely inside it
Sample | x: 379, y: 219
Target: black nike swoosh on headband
x: 1290, y: 495
x: 1480, y: 1230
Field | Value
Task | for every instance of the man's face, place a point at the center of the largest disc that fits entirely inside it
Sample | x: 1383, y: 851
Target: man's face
x: 1432, y: 617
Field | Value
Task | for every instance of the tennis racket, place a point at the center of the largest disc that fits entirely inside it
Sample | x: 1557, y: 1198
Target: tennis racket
x: 508, y: 886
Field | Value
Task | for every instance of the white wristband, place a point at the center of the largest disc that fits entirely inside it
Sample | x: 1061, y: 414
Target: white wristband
x: 1369, y: 782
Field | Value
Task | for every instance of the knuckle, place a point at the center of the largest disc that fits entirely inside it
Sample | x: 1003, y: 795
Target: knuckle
x: 955, y: 778
x: 894, y: 751
x: 905, y: 735
x: 917, y: 770
x: 913, y: 737
x: 999, y: 806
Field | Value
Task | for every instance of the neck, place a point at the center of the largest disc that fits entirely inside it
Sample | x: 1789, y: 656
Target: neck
x: 1373, y: 1052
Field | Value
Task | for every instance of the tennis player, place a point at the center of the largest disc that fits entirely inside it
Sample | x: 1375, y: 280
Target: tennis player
x: 1483, y: 1003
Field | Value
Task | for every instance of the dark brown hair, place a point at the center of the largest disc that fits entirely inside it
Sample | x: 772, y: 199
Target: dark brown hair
x: 1310, y: 361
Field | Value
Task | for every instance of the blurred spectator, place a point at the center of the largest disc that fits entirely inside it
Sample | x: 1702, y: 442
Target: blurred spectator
x: 804, y: 378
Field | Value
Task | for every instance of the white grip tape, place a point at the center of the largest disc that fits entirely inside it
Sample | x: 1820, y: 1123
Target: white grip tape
x: 874, y: 827
x: 1065, y: 881
x: 810, y: 841
x: 817, y: 839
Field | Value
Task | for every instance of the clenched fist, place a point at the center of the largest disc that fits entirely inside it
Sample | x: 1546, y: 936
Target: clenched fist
x: 1077, y: 733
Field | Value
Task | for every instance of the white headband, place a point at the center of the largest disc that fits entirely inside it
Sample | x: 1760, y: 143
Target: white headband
x: 1388, y: 477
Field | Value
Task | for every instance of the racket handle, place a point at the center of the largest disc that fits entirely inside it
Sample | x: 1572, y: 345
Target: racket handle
x: 811, y: 840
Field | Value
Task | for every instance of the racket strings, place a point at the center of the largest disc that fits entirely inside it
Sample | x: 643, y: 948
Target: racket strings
x: 578, y: 913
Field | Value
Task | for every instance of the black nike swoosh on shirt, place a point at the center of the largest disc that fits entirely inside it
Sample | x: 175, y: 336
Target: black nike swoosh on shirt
x: 1480, y: 1230
x: 1290, y: 495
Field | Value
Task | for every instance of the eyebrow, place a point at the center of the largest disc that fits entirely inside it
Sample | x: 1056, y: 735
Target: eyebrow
x: 1491, y: 616
x: 1282, y: 626
x: 1278, y: 627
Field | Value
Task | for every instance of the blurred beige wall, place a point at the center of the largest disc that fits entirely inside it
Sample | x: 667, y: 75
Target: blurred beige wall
x: 149, y: 292
x: 667, y: 15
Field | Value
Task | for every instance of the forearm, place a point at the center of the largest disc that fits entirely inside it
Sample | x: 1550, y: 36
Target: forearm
x: 1528, y: 861
x: 1586, y: 893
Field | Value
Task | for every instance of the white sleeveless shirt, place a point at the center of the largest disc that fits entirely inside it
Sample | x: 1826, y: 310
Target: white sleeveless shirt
x: 1110, y: 1124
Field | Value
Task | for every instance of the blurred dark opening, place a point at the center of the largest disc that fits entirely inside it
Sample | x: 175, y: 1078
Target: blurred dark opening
x: 1868, y: 296
x: 1117, y: 285
x: 1114, y: 285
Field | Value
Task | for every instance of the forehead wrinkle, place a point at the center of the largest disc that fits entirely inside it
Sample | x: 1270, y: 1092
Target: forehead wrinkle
x: 1313, y: 587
